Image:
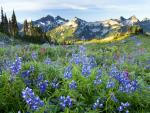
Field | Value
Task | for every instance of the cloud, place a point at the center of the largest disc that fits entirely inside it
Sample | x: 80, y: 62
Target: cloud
x: 71, y: 8
x: 20, y: 5
x: 35, y: 5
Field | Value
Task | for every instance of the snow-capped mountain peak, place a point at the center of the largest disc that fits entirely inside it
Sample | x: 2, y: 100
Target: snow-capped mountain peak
x: 133, y: 19
x: 122, y: 19
x: 49, y: 22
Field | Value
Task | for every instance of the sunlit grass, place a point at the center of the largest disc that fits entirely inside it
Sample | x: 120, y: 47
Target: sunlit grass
x: 104, y: 40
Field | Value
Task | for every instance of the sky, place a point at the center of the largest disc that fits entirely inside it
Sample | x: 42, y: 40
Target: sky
x: 89, y: 10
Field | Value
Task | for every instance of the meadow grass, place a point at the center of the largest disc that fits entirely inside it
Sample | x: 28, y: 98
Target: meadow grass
x: 90, y: 78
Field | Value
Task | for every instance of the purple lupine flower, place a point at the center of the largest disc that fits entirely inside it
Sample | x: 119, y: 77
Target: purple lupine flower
x: 76, y: 58
x: 15, y: 67
x: 101, y: 105
x: 69, y: 101
x: 25, y: 74
x: 114, y: 71
x: 120, y: 108
x: 97, y: 104
x: 68, y: 72
x: 65, y: 102
x: 85, y: 59
x: 110, y: 84
x: 82, y: 49
x: 97, y: 81
x: 86, y: 70
x: 32, y: 68
x: 34, y: 55
x: 125, y: 104
x: 126, y: 74
x: 134, y: 84
x: 147, y: 67
x: 92, y: 61
x: 126, y: 85
x: 33, y: 101
x: 113, y: 98
x: 28, y: 82
x: 43, y: 86
x: 73, y: 85
x: 40, y: 78
x: 62, y: 100
x: 48, y: 61
x: 99, y: 74
x: 54, y: 84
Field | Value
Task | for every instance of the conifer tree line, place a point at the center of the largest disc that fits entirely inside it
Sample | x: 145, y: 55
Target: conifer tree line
x: 8, y: 26
x: 32, y: 33
x: 28, y: 33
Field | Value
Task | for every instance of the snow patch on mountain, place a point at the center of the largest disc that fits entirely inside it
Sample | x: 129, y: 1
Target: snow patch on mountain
x: 49, y: 22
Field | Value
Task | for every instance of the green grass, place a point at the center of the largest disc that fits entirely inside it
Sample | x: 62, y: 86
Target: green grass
x: 61, y: 34
x: 85, y: 95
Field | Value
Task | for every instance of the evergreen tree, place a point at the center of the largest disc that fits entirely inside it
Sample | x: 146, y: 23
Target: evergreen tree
x: 33, y: 34
x: 25, y: 27
x: 135, y: 29
x: 0, y: 27
x: 14, y: 25
x: 5, y: 26
x: 30, y: 28
x: 2, y: 20
x: 2, y: 16
x: 9, y: 27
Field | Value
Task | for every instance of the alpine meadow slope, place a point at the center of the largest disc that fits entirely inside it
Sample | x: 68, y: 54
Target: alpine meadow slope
x: 56, y: 65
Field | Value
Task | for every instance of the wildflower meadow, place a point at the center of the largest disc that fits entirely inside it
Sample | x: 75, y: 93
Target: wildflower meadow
x: 88, y: 78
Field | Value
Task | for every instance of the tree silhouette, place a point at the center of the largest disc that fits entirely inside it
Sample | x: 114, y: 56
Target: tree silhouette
x: 14, y: 24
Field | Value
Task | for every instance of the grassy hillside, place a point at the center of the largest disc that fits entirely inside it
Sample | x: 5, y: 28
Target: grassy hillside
x: 3, y: 36
x: 61, y: 34
x: 7, y: 40
x: 89, y: 78
x: 108, y: 39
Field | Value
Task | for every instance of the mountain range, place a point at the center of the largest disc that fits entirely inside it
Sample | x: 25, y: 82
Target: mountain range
x: 61, y: 28
x: 49, y: 22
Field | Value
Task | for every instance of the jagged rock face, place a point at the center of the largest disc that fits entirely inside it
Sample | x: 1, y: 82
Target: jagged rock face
x: 122, y: 19
x: 49, y: 22
x: 72, y: 24
x: 48, y: 18
x: 145, y: 24
x: 133, y: 19
x: 85, y: 29
x: 60, y: 20
x: 78, y: 28
x: 111, y: 22
x: 129, y: 22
